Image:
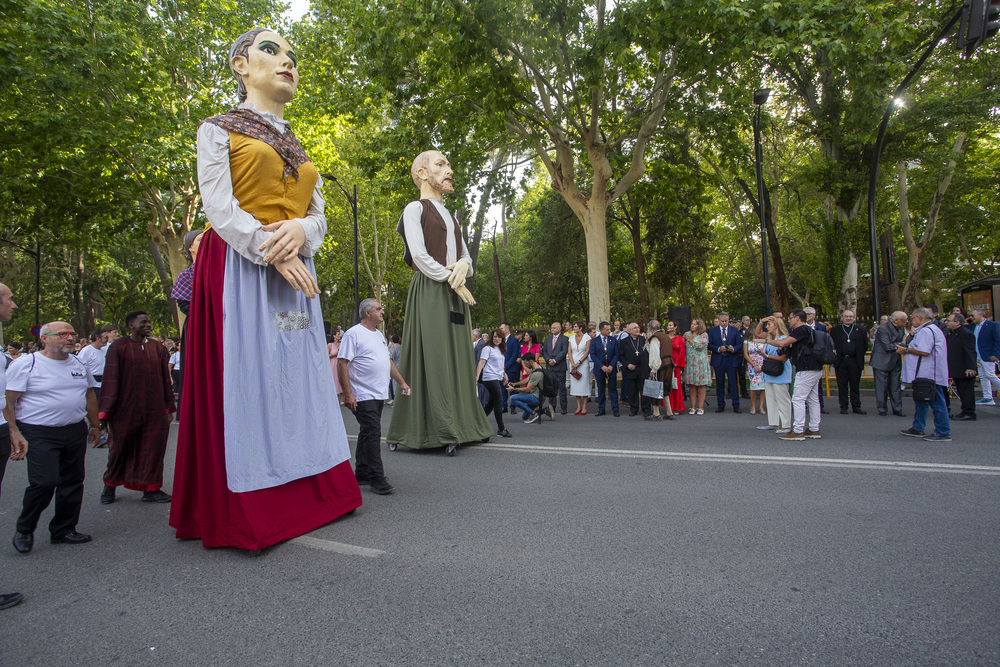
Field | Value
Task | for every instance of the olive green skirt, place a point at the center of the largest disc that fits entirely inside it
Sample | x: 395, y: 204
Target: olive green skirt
x: 437, y: 361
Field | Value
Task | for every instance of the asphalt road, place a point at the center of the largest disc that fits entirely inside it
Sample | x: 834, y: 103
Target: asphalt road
x: 587, y: 541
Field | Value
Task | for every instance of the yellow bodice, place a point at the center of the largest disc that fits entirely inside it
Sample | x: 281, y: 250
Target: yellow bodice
x: 259, y: 183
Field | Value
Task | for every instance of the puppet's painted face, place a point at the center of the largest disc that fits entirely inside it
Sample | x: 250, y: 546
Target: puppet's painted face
x: 438, y: 172
x: 270, y: 68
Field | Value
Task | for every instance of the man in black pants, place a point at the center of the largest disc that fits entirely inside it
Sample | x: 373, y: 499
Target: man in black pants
x: 364, y: 368
x: 7, y: 307
x: 851, y: 342
x: 49, y: 392
x: 634, y: 359
x: 961, y: 366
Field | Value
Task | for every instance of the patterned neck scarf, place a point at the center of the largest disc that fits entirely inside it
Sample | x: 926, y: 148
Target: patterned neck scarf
x: 251, y: 124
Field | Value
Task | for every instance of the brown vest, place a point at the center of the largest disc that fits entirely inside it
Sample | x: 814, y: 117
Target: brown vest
x: 435, y: 236
x: 666, y: 347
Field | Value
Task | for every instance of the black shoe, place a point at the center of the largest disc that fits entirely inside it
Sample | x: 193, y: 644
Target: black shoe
x: 72, y: 537
x: 8, y: 600
x: 737, y: 410
x: 108, y: 495
x: 843, y: 411
x: 616, y: 413
x: 883, y: 414
x: 600, y: 413
x: 824, y: 411
x: 633, y: 414
x: 965, y: 418
x: 530, y: 420
x: 155, y: 497
x: 381, y: 486
x: 859, y: 411
x: 720, y: 409
x: 562, y: 412
x: 651, y: 418
x: 912, y: 432
x: 898, y: 413
x: 504, y: 433
x: 667, y: 417
x: 23, y: 542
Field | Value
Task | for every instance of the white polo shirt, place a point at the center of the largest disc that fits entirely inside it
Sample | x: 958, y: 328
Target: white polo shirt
x: 94, y: 359
x: 53, y: 393
x: 367, y: 358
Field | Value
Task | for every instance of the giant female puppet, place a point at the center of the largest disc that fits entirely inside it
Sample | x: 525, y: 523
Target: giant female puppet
x: 262, y: 454
x: 442, y: 409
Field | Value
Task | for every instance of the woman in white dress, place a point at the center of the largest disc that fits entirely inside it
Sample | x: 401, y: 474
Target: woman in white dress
x: 579, y: 363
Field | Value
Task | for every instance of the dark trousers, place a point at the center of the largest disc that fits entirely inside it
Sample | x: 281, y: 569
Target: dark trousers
x: 55, y: 465
x: 4, y: 450
x: 606, y: 384
x: 849, y: 382
x: 743, y: 378
x: 624, y: 392
x: 368, y: 455
x: 551, y: 400
x: 887, y: 383
x: 495, y: 404
x: 965, y: 388
x: 722, y: 373
x: 636, y: 399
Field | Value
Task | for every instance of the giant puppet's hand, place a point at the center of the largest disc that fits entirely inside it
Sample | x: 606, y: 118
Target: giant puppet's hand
x: 297, y: 275
x: 289, y: 236
x: 465, y: 295
x: 459, y: 271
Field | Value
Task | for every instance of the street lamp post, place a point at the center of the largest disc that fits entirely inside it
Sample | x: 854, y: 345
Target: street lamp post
x: 760, y: 98
x: 354, y: 212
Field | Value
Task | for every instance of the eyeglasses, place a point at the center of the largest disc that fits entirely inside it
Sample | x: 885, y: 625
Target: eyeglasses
x: 63, y: 334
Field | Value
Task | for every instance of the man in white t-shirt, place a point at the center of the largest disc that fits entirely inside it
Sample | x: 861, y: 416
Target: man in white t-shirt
x: 7, y: 307
x: 93, y: 357
x: 364, y: 368
x: 49, y: 393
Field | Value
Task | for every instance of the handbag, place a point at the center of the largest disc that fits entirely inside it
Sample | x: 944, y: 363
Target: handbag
x: 924, y: 389
x: 576, y: 374
x: 652, y: 389
x: 674, y: 384
x: 772, y: 367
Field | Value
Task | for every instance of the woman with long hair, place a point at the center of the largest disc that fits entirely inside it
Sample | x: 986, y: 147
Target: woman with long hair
x: 755, y: 378
x: 776, y: 396
x: 490, y: 372
x: 530, y: 344
x: 697, y: 372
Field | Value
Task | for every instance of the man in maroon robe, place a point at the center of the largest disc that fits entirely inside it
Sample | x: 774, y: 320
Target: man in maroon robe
x: 137, y: 402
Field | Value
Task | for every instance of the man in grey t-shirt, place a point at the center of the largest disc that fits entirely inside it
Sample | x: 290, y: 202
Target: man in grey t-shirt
x: 364, y: 369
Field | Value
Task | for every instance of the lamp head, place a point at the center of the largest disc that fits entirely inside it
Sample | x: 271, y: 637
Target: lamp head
x: 760, y: 96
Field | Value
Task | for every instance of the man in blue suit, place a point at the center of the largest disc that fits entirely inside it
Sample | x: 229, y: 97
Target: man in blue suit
x: 510, y: 366
x: 604, y: 354
x: 987, y: 351
x: 726, y: 345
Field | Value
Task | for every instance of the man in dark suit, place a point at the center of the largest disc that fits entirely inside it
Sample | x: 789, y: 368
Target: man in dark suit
x: 555, y: 347
x: 850, y: 340
x: 634, y: 358
x: 961, y: 366
x: 510, y: 365
x: 604, y: 354
x: 887, y: 364
x: 987, y: 335
x: 726, y: 345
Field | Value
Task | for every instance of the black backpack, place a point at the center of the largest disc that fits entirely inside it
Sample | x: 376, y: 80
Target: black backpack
x: 550, y: 382
x: 821, y: 348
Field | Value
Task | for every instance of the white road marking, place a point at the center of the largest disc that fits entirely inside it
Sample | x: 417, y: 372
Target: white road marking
x: 337, y: 547
x: 908, y: 466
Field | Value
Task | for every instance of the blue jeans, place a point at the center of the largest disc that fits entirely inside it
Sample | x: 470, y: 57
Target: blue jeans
x: 942, y: 426
x: 527, y: 403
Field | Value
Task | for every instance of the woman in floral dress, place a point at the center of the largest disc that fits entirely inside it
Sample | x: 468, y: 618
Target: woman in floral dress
x: 753, y: 352
x: 697, y: 373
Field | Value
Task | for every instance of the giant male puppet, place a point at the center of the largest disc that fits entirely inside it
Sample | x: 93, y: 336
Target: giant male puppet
x: 436, y: 358
x: 262, y: 454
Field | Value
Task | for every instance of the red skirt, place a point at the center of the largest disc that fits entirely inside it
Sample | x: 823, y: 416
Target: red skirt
x: 203, y: 507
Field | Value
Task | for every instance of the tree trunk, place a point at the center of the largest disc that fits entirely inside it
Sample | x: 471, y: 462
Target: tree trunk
x: 496, y: 279
x: 635, y: 230
x: 595, y: 232
x: 684, y: 289
x: 849, y: 286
